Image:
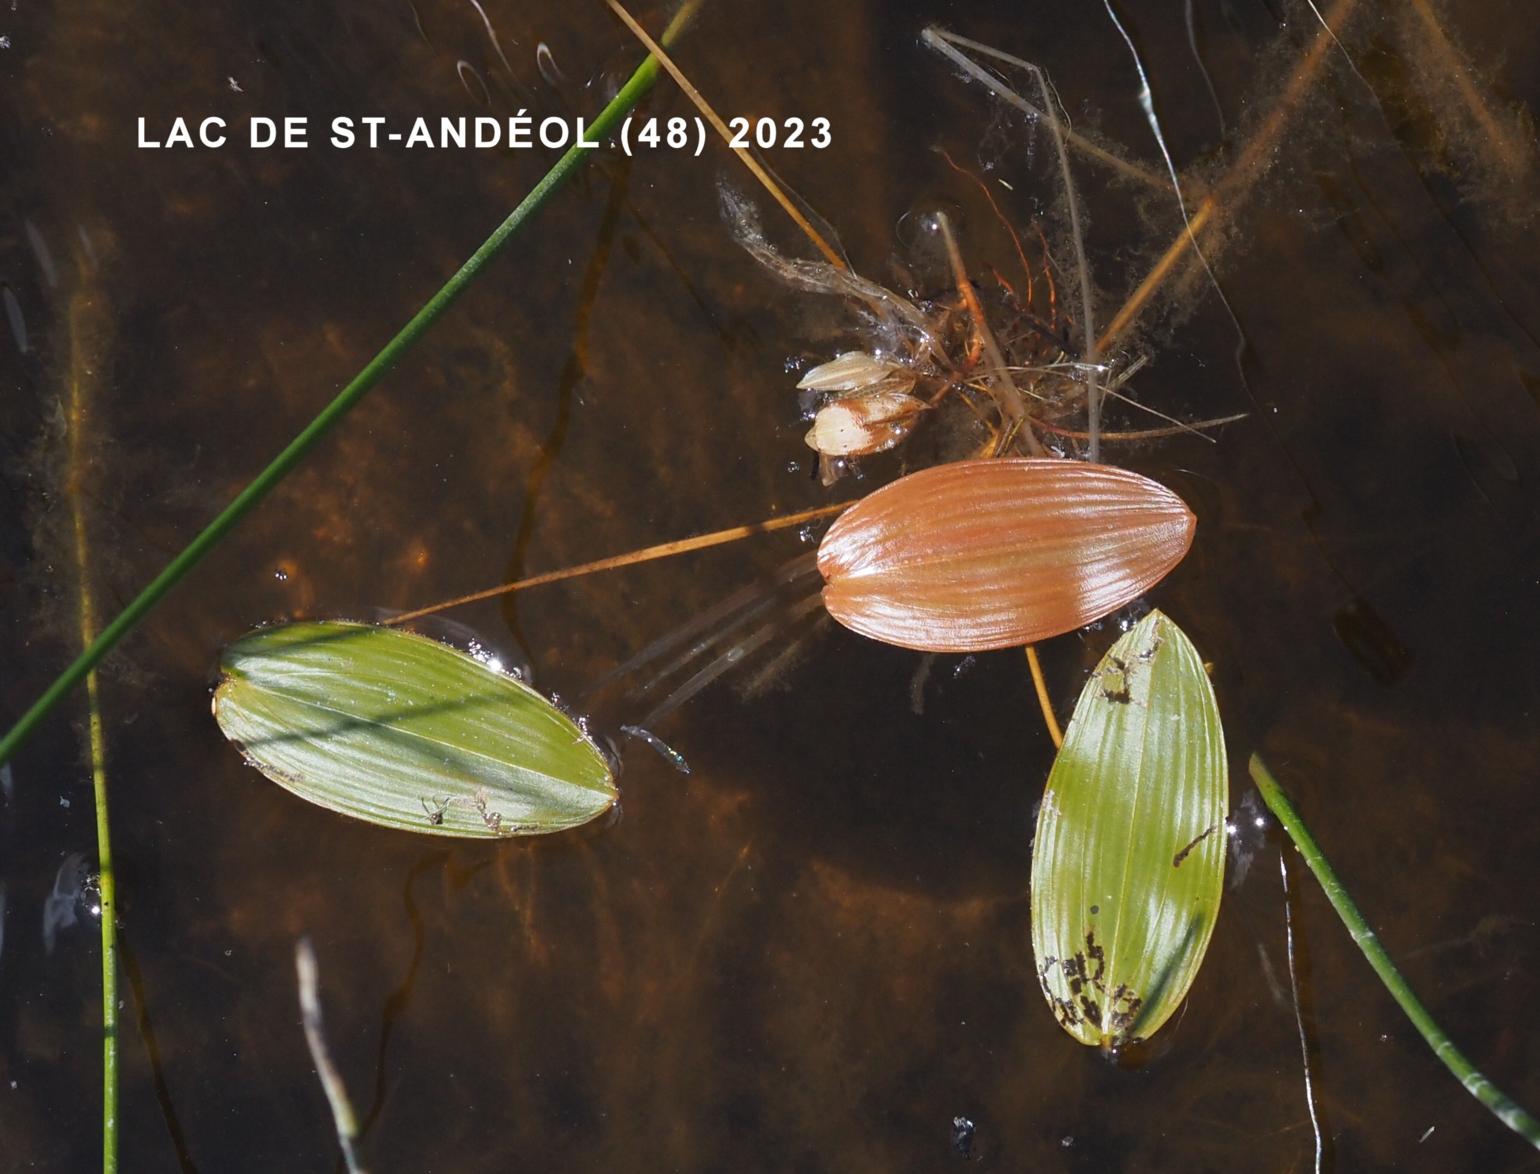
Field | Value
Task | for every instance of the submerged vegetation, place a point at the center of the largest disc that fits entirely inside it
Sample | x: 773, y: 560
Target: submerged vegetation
x: 1011, y: 538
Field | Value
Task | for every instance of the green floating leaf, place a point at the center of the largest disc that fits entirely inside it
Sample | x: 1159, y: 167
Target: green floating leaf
x: 1128, y: 863
x: 402, y: 731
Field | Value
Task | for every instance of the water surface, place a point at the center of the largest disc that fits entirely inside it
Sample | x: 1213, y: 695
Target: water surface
x: 813, y: 952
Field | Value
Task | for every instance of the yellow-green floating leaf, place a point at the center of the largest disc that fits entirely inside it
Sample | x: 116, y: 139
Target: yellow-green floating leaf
x: 1128, y: 863
x: 405, y: 732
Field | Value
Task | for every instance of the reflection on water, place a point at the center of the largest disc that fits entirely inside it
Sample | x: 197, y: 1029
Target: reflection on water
x: 63, y: 903
x: 812, y: 952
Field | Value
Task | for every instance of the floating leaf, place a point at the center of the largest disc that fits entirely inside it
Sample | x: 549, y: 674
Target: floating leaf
x: 977, y: 555
x: 1128, y: 862
x: 405, y: 732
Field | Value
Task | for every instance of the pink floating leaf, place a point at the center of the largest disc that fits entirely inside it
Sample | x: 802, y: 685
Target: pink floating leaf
x: 977, y: 555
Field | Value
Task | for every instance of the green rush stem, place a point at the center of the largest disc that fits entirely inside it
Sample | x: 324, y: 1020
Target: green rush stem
x: 1506, y: 1111
x: 109, y: 904
x: 608, y: 119
x: 81, y: 320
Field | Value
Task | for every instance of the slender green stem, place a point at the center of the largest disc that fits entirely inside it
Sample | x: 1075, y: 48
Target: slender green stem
x: 1506, y: 1111
x: 344, y: 1120
x: 86, y: 338
x: 109, y: 906
x: 612, y: 115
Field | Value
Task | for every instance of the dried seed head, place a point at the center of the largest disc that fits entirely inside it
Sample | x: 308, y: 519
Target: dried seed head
x: 988, y: 554
x: 858, y: 425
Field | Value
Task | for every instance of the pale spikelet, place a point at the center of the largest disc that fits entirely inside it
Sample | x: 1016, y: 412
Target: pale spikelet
x: 859, y: 371
x: 859, y: 425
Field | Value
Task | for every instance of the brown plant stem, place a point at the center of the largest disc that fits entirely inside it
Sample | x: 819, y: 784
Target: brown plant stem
x: 1040, y: 684
x: 1148, y: 433
x: 1512, y: 156
x: 1253, y: 161
x: 631, y: 558
x: 720, y: 127
x: 1002, y: 388
x: 946, y: 43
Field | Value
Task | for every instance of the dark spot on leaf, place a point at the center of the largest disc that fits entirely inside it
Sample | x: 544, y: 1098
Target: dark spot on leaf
x: 1064, y: 1010
x: 1115, y: 686
x: 1176, y: 861
x: 1122, y: 1013
x: 1097, y: 955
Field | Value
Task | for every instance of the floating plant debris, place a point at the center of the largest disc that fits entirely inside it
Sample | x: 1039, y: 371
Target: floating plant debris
x: 859, y: 371
x: 865, y: 423
x: 987, y: 554
x: 1128, y: 861
x: 870, y: 408
x: 402, y: 731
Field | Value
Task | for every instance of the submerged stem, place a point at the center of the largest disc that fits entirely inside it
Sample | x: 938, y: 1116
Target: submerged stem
x: 1256, y: 157
x: 1505, y: 1109
x: 81, y: 340
x: 1147, y: 104
x: 1156, y: 277
x: 1044, y: 702
x: 743, y: 153
x: 640, y: 82
x: 1513, y: 155
x: 1092, y: 345
x: 1299, y: 1011
x: 997, y: 375
x: 343, y: 1118
x: 614, y: 562
x: 943, y: 42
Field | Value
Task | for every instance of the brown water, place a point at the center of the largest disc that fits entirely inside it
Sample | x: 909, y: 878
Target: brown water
x: 813, y: 952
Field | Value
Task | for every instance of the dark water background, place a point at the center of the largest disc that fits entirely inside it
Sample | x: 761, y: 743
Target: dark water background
x: 813, y: 953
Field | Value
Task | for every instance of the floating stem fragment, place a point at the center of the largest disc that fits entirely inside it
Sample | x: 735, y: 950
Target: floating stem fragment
x: 631, y: 558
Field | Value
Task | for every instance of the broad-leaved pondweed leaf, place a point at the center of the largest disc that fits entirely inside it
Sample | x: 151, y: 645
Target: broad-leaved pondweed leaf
x: 985, y: 554
x: 1128, y: 861
x: 405, y: 732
